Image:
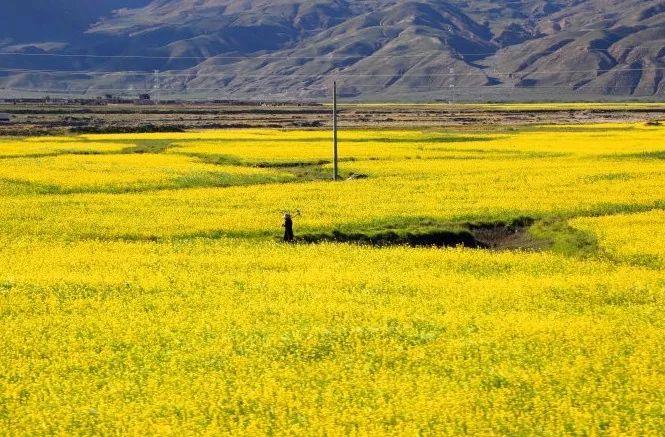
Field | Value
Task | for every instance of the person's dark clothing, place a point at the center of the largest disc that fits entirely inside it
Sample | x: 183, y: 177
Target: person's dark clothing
x: 288, y: 230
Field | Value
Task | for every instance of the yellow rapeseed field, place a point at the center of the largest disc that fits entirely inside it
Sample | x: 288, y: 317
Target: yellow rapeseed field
x: 637, y: 238
x: 51, y: 146
x: 144, y: 290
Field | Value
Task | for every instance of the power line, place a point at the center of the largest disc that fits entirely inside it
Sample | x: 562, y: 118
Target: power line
x: 305, y: 89
x: 312, y: 57
x: 322, y: 75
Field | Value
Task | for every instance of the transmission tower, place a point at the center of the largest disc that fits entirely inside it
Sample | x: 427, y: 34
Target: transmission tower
x: 451, y: 85
x: 157, y: 87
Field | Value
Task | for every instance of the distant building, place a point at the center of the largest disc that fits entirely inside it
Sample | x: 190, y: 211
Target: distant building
x: 5, y: 118
x: 144, y: 99
x: 110, y: 98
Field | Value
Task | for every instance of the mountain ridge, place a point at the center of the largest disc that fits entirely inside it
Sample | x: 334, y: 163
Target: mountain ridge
x: 383, y: 49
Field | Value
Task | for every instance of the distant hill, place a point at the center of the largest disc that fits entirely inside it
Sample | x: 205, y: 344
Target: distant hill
x: 62, y: 21
x: 375, y: 49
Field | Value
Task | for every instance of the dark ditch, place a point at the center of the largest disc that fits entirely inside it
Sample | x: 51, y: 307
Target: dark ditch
x: 499, y: 235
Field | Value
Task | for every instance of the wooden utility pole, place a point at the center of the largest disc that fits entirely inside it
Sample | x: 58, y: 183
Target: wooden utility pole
x: 335, y: 167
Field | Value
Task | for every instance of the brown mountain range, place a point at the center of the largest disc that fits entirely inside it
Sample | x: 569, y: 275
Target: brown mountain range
x: 375, y: 49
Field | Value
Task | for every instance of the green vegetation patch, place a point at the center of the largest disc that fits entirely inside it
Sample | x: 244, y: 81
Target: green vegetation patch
x: 658, y: 154
x: 609, y: 177
x: 191, y: 180
x: 302, y: 170
x: 558, y: 236
x: 149, y: 146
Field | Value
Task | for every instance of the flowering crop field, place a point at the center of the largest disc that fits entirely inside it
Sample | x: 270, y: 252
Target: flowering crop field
x: 144, y: 289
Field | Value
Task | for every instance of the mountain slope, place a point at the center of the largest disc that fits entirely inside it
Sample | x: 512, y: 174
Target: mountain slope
x: 36, y: 21
x: 381, y: 49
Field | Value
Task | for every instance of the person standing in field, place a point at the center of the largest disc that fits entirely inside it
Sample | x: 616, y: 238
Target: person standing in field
x: 288, y: 228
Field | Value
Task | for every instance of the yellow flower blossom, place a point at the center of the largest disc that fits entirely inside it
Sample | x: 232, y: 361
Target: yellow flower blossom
x: 145, y: 294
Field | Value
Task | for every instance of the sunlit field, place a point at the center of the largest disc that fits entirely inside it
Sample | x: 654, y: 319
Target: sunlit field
x: 144, y: 289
